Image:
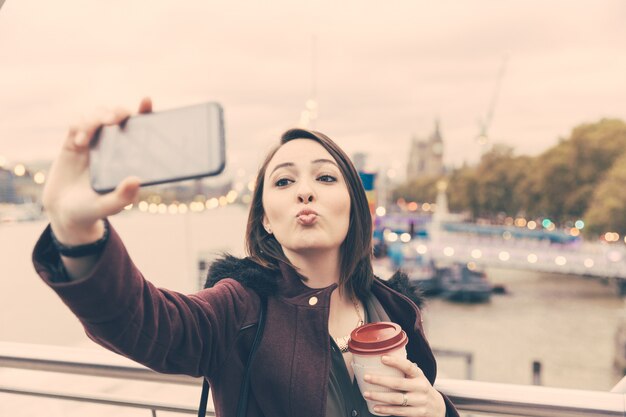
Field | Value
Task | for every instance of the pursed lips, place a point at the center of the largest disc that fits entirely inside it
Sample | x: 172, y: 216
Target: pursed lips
x: 307, y: 217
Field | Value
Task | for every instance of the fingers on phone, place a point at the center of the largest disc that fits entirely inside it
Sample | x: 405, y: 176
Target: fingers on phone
x: 86, y: 132
x: 77, y: 137
x: 81, y: 134
x: 145, y: 106
x: 125, y: 193
x: 117, y: 116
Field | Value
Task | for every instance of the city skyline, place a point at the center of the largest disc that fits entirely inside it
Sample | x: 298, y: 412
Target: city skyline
x: 379, y: 75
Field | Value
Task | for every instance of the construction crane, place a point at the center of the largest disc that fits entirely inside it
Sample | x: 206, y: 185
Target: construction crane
x: 485, y: 122
x: 309, y: 114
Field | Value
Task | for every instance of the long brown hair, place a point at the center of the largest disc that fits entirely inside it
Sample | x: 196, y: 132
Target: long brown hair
x: 356, y: 274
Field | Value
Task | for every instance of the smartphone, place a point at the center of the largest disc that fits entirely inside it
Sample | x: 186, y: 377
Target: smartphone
x: 160, y: 147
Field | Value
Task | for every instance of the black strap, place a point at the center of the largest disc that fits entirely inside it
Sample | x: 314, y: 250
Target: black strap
x: 78, y: 251
x: 245, y: 386
x: 203, y: 398
x: 242, y: 406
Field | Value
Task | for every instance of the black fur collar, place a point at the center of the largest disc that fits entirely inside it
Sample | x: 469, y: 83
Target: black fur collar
x: 265, y: 281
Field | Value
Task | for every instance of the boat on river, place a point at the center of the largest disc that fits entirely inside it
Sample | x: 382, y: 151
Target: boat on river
x: 455, y: 282
x: 461, y: 283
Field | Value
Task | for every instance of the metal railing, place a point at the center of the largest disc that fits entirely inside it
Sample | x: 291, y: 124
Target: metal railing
x: 530, y: 400
x: 466, y: 356
x: 468, y: 396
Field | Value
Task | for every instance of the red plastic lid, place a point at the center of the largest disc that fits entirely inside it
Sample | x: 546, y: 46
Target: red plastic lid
x: 377, y: 338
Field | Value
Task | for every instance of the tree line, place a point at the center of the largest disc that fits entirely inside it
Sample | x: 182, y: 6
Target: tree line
x: 582, y: 177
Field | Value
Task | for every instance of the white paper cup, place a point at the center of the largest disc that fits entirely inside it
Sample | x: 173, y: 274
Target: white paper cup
x: 368, y: 344
x: 373, y: 365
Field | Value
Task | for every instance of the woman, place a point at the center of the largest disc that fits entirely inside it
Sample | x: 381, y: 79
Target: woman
x: 308, y: 234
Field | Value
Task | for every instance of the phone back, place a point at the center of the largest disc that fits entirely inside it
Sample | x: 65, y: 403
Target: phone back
x: 161, y: 147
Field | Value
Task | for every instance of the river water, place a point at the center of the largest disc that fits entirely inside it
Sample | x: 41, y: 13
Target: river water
x: 567, y: 323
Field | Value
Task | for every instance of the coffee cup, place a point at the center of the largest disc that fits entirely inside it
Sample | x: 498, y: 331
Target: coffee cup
x: 368, y: 344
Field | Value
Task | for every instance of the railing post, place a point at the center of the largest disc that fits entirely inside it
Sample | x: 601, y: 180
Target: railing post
x: 536, y: 373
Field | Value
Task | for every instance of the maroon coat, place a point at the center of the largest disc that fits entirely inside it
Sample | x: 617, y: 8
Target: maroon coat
x: 210, y: 333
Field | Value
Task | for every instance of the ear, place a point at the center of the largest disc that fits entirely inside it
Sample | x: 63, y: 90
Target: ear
x: 266, y: 224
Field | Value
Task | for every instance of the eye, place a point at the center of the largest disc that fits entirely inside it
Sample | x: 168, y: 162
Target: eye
x: 326, y: 178
x: 282, y: 182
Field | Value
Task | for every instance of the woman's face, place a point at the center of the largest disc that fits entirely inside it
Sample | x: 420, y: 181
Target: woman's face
x: 305, y: 198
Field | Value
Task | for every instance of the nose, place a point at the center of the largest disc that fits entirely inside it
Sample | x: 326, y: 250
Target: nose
x: 305, y: 191
x: 306, y: 197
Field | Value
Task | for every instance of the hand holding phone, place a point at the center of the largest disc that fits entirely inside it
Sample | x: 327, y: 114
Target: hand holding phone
x: 167, y: 146
x: 74, y: 209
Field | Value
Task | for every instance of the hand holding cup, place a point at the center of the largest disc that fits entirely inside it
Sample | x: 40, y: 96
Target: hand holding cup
x: 411, y: 395
x: 390, y: 383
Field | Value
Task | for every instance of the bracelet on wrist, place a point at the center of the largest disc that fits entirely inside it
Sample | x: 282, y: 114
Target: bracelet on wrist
x: 78, y: 251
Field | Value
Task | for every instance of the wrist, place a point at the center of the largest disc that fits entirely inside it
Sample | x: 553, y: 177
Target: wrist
x: 85, y: 249
x: 78, y: 234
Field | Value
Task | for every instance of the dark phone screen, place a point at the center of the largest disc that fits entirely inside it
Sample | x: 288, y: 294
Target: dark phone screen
x: 161, y: 147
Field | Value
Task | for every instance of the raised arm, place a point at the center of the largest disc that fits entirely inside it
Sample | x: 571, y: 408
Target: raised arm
x: 75, y: 211
x: 119, y: 309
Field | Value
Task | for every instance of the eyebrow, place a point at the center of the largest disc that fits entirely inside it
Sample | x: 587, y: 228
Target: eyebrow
x: 316, y: 161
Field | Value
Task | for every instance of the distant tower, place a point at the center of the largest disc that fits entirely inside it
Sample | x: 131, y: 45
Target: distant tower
x: 426, y: 156
x: 441, y: 212
x: 310, y: 112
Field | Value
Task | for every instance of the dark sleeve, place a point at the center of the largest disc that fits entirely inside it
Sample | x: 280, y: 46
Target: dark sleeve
x: 450, y: 408
x: 164, y: 330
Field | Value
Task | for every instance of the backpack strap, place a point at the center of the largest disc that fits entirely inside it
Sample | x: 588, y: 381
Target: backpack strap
x: 245, y: 386
x: 242, y: 405
x: 203, y: 398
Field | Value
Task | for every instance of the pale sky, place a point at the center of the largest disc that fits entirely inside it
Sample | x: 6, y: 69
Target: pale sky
x: 384, y: 70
